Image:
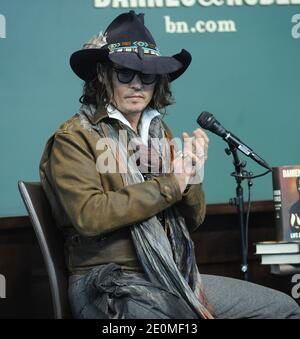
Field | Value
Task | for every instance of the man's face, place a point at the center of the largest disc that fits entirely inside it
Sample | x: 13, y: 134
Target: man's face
x: 132, y: 97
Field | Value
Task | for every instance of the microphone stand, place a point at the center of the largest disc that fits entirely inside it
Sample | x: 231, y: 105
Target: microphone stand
x: 240, y: 174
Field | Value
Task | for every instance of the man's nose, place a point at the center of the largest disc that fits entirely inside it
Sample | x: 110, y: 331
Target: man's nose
x: 136, y: 82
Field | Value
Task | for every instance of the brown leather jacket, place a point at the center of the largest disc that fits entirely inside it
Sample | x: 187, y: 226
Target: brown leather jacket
x: 94, y: 210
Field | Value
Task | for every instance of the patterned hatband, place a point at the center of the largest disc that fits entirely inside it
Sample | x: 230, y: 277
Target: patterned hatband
x: 134, y: 46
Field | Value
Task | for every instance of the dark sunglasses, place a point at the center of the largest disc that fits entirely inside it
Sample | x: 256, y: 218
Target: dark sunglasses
x: 125, y: 76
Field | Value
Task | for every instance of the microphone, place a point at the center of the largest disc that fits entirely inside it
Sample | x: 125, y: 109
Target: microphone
x: 207, y: 121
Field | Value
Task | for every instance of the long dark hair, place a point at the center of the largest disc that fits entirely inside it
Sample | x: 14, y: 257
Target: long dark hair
x: 95, y: 92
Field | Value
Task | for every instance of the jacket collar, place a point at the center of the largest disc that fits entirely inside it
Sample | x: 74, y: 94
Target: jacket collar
x: 96, y: 115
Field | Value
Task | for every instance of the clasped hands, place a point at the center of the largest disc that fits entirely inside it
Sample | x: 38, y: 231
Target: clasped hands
x: 188, y: 165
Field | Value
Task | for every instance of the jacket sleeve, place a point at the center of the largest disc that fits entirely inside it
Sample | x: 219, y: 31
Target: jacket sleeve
x: 192, y: 206
x: 93, y: 211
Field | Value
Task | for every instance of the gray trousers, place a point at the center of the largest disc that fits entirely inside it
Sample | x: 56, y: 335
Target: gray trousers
x: 110, y: 293
x: 233, y: 299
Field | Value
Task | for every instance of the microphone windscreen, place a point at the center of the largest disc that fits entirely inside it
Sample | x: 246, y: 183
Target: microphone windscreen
x: 205, y: 120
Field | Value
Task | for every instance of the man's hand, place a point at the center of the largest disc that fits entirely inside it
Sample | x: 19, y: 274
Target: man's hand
x: 189, y: 165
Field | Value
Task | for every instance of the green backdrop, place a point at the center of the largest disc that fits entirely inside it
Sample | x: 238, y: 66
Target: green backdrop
x: 247, y: 76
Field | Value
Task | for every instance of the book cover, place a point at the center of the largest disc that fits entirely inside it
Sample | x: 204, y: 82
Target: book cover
x: 273, y: 247
x: 286, y: 197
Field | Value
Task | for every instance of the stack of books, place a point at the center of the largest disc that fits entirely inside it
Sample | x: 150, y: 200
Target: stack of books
x: 283, y: 256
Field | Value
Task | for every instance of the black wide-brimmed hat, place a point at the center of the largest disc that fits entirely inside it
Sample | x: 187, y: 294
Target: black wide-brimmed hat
x: 127, y: 42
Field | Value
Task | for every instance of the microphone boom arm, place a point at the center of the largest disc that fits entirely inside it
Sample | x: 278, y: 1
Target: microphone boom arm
x: 232, y: 140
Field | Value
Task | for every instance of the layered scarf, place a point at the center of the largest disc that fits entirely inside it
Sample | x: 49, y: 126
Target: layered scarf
x: 166, y: 256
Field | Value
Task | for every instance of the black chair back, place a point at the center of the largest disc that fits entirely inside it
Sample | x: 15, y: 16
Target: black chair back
x: 51, y: 244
